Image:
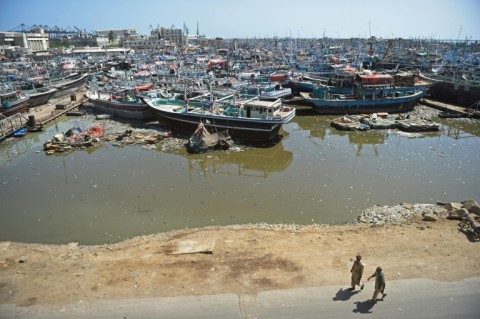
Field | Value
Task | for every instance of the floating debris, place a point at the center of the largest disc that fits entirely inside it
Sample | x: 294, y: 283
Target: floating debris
x: 349, y: 123
x: 73, y: 138
x: 418, y: 125
x: 202, y: 140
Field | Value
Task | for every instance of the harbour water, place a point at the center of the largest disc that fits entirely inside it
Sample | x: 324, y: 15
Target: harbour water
x: 315, y: 174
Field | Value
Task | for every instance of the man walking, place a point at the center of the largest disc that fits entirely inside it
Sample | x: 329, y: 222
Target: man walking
x: 379, y: 284
x: 357, y: 273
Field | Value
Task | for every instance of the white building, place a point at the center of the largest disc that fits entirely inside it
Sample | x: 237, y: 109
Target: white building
x: 32, y: 41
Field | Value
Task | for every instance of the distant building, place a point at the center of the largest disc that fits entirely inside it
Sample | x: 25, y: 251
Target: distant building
x: 173, y: 36
x: 159, y: 39
x: 31, y: 41
x: 149, y: 43
x: 114, y: 36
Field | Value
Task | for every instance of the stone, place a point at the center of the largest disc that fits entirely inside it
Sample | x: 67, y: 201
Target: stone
x: 441, y: 212
x: 429, y: 217
x: 457, y: 213
x: 472, y: 206
x: 469, y: 203
x: 452, y: 206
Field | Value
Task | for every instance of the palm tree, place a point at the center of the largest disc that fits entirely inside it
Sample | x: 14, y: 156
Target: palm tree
x: 111, y: 36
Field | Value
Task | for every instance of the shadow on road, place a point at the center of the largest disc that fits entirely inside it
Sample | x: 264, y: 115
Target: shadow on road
x: 363, y: 307
x: 344, y: 294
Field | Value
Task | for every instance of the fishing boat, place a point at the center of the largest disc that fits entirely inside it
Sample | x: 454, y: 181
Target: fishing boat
x: 37, y: 90
x: 40, y: 96
x: 249, y: 120
x: 266, y: 91
x: 67, y: 85
x: 457, y: 89
x: 325, y: 102
x: 124, y: 104
x: 12, y: 102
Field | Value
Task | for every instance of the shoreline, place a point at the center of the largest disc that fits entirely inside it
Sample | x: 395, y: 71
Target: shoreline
x: 236, y: 259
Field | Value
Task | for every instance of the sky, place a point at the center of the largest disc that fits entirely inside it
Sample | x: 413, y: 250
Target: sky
x: 432, y: 19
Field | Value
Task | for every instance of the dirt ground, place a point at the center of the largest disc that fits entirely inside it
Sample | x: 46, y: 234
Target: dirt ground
x: 238, y: 260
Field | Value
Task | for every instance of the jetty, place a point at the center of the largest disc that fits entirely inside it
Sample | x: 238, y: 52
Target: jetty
x: 11, y: 124
x: 472, y: 111
x: 38, y: 119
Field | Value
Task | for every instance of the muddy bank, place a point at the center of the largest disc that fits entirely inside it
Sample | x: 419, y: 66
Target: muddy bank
x: 234, y: 259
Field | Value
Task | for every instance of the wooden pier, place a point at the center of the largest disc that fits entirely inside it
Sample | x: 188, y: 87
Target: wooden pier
x: 11, y: 124
x: 472, y: 111
x: 53, y: 112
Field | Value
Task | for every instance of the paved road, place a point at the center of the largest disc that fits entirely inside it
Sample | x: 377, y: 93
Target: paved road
x: 417, y: 298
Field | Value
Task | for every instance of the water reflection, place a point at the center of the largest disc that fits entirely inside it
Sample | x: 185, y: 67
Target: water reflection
x: 12, y: 149
x: 251, y: 162
x: 460, y: 128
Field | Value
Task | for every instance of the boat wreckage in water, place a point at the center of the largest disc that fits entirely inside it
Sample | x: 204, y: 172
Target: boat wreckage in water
x: 202, y: 140
x: 73, y: 138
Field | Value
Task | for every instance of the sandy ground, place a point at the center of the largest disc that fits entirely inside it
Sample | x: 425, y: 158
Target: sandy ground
x: 238, y: 260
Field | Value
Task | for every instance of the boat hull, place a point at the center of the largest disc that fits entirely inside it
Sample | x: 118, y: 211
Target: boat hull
x: 238, y: 128
x: 19, y: 107
x: 460, y: 95
x: 69, y: 85
x: 39, y: 98
x: 103, y: 104
x: 123, y: 110
x: 389, y: 105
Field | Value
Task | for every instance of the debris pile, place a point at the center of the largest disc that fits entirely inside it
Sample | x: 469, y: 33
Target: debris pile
x: 75, y: 137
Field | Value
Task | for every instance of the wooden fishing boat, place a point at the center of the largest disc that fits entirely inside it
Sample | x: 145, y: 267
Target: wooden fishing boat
x: 12, y: 102
x: 124, y: 104
x: 394, y: 102
x: 249, y: 120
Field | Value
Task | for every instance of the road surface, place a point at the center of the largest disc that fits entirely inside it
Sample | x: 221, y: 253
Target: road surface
x: 415, y: 298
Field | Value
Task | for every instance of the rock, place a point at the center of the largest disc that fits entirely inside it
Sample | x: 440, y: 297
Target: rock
x: 407, y: 206
x: 452, y: 206
x: 457, y: 213
x: 472, y: 206
x: 430, y: 217
x: 22, y: 260
x: 441, y: 212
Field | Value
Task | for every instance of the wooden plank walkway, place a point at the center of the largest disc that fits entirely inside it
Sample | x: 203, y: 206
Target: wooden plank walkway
x: 467, y: 112
x: 11, y: 124
x: 60, y: 109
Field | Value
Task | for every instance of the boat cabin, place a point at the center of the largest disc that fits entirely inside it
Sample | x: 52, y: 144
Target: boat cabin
x: 260, y: 109
x: 9, y: 98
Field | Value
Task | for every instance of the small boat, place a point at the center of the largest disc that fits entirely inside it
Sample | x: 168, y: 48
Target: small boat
x: 21, y: 132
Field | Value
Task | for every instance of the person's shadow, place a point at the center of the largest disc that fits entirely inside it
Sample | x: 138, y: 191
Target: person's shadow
x: 344, y: 294
x: 363, y: 307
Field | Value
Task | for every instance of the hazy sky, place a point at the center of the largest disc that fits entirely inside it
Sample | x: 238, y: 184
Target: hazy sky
x: 439, y: 19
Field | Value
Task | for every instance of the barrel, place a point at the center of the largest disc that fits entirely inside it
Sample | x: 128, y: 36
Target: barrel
x: 31, y: 121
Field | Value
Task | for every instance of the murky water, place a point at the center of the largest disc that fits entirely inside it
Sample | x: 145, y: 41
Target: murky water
x: 316, y: 174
